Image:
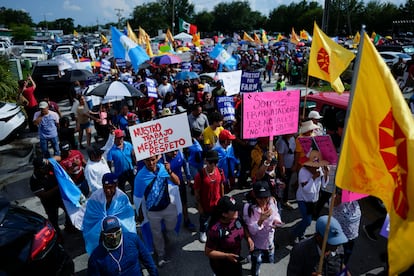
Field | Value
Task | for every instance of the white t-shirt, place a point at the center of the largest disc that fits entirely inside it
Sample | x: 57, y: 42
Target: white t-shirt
x: 94, y: 172
x: 310, y: 191
x: 164, y: 89
x: 283, y: 148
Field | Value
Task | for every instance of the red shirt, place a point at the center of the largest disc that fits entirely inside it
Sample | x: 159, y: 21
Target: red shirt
x: 73, y: 165
x: 28, y: 93
x: 209, y: 188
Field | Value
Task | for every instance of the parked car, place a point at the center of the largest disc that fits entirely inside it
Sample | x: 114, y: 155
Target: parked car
x: 34, y: 53
x: 407, y: 49
x: 29, y: 244
x: 12, y: 122
x: 391, y: 58
x: 331, y: 105
x: 51, y: 81
x: 4, y: 50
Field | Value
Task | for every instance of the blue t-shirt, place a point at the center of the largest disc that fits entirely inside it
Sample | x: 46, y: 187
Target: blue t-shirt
x: 122, y: 159
x: 47, y: 127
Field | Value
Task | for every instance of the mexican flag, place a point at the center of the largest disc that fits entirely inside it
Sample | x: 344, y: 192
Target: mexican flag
x: 185, y: 26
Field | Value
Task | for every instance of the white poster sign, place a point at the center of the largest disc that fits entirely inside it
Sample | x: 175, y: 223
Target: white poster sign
x: 160, y: 136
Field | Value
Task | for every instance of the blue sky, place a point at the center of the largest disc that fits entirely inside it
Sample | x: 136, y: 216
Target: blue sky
x: 89, y: 12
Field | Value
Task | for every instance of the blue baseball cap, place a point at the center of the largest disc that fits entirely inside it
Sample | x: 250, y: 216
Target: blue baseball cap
x: 335, y: 235
x: 109, y: 179
x: 110, y: 223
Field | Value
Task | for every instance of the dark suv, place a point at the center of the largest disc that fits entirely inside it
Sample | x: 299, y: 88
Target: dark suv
x: 50, y: 81
x: 29, y: 244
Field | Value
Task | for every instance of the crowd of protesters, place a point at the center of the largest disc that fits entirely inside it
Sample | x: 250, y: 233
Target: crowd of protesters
x: 218, y: 161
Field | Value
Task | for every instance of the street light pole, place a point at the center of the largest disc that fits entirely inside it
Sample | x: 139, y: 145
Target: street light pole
x: 325, y: 17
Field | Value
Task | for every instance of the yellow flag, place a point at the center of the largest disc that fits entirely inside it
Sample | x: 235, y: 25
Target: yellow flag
x: 373, y: 35
x: 377, y: 152
x: 142, y: 36
x: 168, y: 36
x: 75, y: 33
x: 279, y: 37
x: 294, y: 37
x: 131, y: 33
x: 327, y: 59
x: 247, y: 37
x: 148, y: 48
x: 264, y: 37
x: 257, y: 39
x: 196, y: 39
x: 304, y: 35
x: 104, y: 40
x: 357, y: 38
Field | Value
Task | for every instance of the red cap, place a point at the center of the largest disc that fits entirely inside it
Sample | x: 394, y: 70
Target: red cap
x: 118, y: 133
x: 226, y: 135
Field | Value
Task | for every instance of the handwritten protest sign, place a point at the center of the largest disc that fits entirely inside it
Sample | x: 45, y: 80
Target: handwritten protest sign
x: 160, y: 136
x: 268, y: 114
x: 323, y: 144
x: 225, y: 106
x: 249, y: 82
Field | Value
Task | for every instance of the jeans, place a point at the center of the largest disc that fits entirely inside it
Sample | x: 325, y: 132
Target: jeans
x: 259, y: 256
x: 300, y: 228
x: 44, y: 146
x: 204, y: 221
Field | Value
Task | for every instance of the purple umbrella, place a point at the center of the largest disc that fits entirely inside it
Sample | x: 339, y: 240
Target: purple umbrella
x: 166, y: 59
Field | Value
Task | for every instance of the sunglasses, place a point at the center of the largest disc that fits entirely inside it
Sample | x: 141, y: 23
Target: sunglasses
x: 113, y: 234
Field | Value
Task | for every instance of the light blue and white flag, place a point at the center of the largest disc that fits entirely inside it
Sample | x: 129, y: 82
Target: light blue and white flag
x: 223, y: 57
x: 72, y: 197
x: 124, y: 47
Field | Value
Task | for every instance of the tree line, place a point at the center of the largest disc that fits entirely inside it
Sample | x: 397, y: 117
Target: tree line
x: 344, y: 17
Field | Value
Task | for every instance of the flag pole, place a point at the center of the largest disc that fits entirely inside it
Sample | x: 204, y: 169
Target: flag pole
x: 351, y: 96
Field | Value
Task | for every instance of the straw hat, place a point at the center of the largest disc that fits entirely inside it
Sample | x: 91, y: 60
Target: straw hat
x: 307, y: 126
x: 166, y: 112
x: 315, y: 160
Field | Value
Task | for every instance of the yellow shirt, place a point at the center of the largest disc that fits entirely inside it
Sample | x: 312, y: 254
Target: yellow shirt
x: 211, y: 136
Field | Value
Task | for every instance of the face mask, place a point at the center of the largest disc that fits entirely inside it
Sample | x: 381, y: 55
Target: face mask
x: 112, y: 241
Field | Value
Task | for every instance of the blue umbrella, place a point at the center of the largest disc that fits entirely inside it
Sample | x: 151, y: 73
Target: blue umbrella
x: 186, y: 75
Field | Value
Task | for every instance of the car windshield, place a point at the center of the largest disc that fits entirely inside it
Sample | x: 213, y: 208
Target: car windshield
x: 32, y: 51
x: 409, y: 50
x: 403, y: 56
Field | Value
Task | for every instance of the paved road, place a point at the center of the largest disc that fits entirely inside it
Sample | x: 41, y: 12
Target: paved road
x: 185, y: 251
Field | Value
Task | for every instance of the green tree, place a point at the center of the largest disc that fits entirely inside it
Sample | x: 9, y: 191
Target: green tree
x: 21, y: 32
x: 8, y: 85
x: 9, y: 17
x: 151, y: 17
x: 236, y: 17
x: 386, y: 11
x: 204, y: 21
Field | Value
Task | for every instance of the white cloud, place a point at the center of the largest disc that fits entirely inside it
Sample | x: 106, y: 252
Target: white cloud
x: 67, y: 5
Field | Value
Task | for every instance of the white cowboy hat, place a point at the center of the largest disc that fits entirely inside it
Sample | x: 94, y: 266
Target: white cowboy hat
x: 307, y: 126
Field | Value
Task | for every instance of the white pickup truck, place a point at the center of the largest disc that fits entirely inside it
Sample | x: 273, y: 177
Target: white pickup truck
x: 34, y: 53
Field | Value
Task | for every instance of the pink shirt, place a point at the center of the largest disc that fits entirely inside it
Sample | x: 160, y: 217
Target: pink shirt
x: 262, y: 235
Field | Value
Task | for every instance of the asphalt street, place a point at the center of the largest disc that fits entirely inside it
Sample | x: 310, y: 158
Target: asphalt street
x: 184, y: 250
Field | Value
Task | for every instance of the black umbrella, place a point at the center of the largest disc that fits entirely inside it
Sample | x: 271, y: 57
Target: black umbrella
x: 81, y: 75
x: 115, y: 89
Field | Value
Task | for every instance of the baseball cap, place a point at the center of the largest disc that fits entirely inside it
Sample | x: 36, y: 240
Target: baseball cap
x: 335, y: 236
x: 110, y: 223
x: 314, y: 115
x: 261, y: 189
x: 64, y: 146
x: 109, y: 179
x: 226, y: 135
x: 43, y: 104
x: 118, y: 133
x: 226, y: 204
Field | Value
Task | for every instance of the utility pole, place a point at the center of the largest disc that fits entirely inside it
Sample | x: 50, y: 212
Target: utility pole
x: 325, y: 17
x: 173, y: 17
x: 119, y: 14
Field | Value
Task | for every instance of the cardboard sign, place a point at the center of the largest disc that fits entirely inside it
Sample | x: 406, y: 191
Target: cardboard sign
x: 268, y: 114
x: 231, y: 81
x: 324, y: 145
x: 249, y: 81
x: 160, y: 136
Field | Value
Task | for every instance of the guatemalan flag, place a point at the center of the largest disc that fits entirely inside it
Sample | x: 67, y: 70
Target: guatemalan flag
x: 123, y: 47
x: 72, y: 197
x: 220, y: 54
